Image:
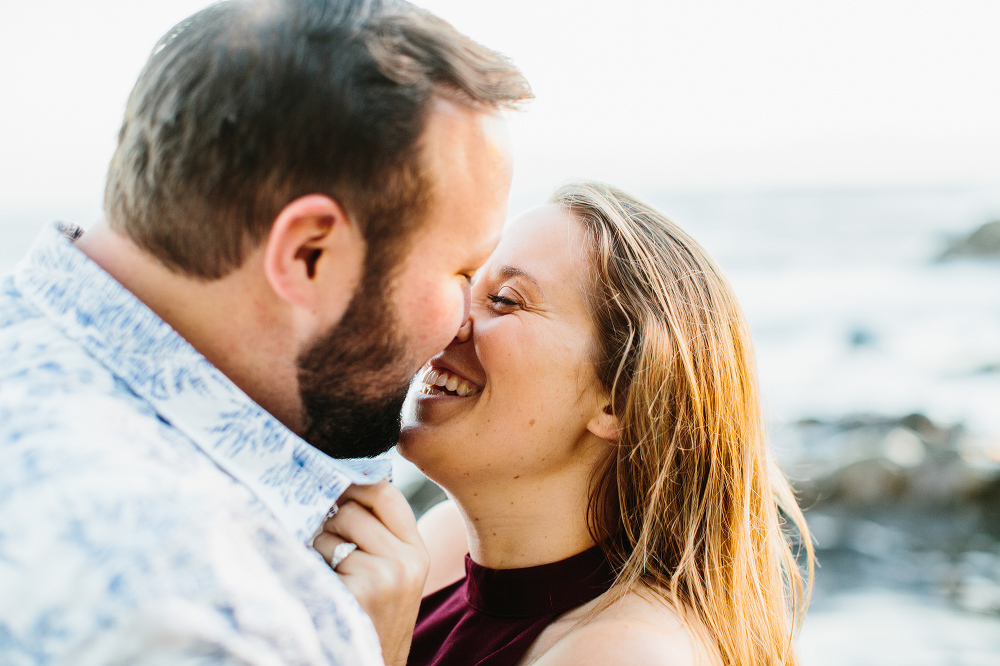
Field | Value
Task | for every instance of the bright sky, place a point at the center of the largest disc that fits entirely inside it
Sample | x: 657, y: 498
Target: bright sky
x: 652, y: 95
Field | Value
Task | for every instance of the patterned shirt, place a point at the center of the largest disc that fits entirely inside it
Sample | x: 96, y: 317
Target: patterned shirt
x: 150, y: 512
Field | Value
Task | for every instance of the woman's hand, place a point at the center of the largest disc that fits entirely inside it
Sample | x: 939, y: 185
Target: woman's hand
x: 388, y: 570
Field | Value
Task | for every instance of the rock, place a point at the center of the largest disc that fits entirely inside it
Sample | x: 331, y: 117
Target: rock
x: 945, y: 479
x: 983, y: 242
x: 935, y: 435
x: 868, y: 482
x: 902, y: 447
x: 873, y: 460
x: 900, y: 503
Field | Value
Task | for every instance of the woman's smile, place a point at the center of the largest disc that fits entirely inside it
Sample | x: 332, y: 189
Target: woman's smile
x: 437, y: 381
x: 449, y: 385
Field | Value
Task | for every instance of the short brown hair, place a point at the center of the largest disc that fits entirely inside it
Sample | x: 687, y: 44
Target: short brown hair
x: 249, y: 104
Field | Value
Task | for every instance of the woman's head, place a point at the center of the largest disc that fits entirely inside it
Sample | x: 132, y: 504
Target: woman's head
x: 532, y: 406
x: 606, y: 345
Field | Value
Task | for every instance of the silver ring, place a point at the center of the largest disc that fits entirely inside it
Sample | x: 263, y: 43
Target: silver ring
x: 341, y: 552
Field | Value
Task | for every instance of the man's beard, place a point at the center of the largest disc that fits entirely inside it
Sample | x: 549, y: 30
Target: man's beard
x: 353, y: 381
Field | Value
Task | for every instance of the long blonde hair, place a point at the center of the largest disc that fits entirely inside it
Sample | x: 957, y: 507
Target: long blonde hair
x: 691, y: 503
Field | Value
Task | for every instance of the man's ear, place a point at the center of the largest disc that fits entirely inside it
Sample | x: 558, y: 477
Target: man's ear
x: 315, y: 255
x: 604, y: 424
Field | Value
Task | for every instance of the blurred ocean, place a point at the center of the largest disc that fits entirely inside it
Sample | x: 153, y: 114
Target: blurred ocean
x: 849, y: 309
x: 853, y: 315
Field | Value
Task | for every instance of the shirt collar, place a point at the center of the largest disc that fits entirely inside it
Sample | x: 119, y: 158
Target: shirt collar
x: 294, y: 480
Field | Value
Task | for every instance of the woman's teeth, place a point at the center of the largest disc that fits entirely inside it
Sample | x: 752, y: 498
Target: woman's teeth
x: 441, y: 382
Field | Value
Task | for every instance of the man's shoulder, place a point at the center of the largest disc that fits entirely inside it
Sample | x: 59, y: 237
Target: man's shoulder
x: 122, y: 538
x: 79, y: 449
x: 33, y: 351
x: 56, y: 398
x: 13, y: 307
x: 124, y: 565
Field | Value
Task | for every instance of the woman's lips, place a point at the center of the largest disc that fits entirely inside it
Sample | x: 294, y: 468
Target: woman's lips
x: 439, y: 381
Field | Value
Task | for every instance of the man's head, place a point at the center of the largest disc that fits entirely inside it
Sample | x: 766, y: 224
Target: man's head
x: 349, y: 152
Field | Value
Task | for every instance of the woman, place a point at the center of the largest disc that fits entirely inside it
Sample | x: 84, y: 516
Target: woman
x: 598, y: 426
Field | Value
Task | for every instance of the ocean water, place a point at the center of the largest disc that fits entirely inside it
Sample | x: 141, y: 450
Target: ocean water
x: 849, y: 309
x: 880, y: 628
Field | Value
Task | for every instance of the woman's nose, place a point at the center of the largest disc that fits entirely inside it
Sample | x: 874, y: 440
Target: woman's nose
x: 465, y: 332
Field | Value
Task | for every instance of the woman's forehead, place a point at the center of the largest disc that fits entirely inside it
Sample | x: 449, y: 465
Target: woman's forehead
x: 548, y: 249
x: 545, y: 241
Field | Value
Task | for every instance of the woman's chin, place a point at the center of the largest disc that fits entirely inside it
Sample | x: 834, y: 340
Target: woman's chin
x: 430, y: 449
x: 436, y: 429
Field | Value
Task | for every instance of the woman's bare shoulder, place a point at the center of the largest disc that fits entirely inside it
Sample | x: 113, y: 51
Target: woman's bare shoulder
x: 639, y: 630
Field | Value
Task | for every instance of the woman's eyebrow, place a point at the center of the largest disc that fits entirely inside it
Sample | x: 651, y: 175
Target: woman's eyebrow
x: 507, y: 272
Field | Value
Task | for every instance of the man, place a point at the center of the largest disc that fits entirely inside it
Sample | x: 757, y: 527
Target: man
x: 300, y: 193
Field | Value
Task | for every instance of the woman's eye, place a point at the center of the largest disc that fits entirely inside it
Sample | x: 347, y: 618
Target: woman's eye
x: 497, y: 299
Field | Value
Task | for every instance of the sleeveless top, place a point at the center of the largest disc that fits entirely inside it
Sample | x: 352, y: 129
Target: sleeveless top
x: 492, y: 616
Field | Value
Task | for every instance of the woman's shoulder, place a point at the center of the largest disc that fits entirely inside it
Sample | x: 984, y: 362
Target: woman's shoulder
x: 642, y: 629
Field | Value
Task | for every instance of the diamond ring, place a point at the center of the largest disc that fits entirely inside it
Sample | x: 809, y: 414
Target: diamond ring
x: 341, y: 552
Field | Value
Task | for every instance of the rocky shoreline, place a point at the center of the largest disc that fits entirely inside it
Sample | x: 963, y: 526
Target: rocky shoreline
x: 901, y: 504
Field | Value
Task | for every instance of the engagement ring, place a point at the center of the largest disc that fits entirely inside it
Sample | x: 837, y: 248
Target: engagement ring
x: 341, y: 552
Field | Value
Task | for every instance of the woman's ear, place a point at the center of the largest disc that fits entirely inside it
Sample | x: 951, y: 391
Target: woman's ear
x: 604, y: 424
x: 314, y: 256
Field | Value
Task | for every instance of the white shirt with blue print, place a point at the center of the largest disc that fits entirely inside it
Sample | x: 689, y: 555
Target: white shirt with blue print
x: 150, y: 512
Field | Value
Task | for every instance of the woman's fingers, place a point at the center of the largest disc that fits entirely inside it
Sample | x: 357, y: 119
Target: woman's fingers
x: 389, y: 505
x: 325, y: 542
x: 387, y: 572
x: 388, y: 589
x: 355, y: 523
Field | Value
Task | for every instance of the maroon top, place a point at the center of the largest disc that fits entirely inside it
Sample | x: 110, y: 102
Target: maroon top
x: 492, y: 616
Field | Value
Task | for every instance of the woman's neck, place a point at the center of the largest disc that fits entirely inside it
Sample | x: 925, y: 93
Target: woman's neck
x: 515, y: 525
